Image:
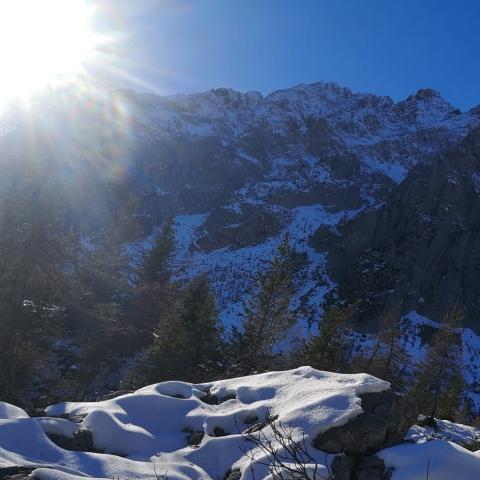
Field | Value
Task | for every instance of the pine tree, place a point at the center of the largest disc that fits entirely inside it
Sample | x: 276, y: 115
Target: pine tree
x: 388, y: 359
x: 188, y: 343
x: 105, y: 291
x: 440, y: 370
x: 329, y: 350
x: 450, y: 404
x: 155, y: 293
x: 36, y: 254
x: 268, y: 315
x: 155, y: 266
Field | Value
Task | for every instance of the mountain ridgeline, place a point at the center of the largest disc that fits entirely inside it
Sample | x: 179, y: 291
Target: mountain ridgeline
x: 233, y: 218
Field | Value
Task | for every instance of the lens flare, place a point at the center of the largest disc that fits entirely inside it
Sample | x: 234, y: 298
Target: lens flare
x: 44, y: 43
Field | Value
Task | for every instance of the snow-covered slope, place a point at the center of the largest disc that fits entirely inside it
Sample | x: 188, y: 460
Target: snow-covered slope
x: 150, y: 427
x: 147, y: 433
x: 239, y: 169
x: 251, y: 168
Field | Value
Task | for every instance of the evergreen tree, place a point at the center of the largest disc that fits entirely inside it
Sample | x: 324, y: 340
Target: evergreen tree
x: 267, y: 317
x: 388, y: 358
x: 438, y: 376
x: 155, y: 266
x: 188, y: 342
x: 329, y: 350
x: 36, y: 254
x: 155, y: 293
x: 104, y: 292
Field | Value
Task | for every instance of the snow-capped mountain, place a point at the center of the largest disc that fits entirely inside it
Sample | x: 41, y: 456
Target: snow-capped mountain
x: 237, y: 170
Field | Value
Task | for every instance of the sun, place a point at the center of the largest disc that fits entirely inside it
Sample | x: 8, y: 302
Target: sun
x: 43, y: 43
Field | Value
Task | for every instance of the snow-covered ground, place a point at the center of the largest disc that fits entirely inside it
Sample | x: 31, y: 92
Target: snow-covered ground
x: 438, y: 460
x: 231, y: 270
x: 464, y: 435
x: 144, y: 434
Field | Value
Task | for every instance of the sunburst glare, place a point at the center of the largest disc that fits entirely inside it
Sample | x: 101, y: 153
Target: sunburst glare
x: 44, y: 43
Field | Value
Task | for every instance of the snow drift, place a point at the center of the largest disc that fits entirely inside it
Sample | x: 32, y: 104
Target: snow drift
x: 149, y: 433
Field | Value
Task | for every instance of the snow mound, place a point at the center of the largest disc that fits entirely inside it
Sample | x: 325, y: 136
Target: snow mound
x: 149, y: 429
x: 443, y: 461
x: 187, y: 431
x: 8, y: 411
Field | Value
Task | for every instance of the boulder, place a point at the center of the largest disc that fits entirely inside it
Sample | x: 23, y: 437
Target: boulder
x: 15, y: 473
x: 82, y: 441
x: 234, y: 474
x: 195, y: 439
x: 347, y: 467
x: 385, y: 420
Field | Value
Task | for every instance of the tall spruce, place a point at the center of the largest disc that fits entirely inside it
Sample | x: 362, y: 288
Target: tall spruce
x: 188, y: 343
x: 329, y: 349
x: 36, y: 254
x: 268, y: 315
x: 155, y: 266
x: 388, y: 358
x: 156, y: 294
x: 98, y: 319
x: 438, y: 383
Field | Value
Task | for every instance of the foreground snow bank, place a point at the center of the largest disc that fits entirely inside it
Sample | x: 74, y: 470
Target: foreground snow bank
x: 442, y: 460
x: 153, y: 424
x: 192, y: 431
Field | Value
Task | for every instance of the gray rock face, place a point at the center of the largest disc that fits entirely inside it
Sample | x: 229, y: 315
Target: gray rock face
x: 195, y: 438
x: 419, y: 250
x: 250, y: 165
x: 385, y: 420
x: 234, y: 474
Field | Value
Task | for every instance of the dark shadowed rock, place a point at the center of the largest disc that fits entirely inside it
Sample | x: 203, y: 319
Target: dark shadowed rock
x: 82, y: 441
x: 384, y: 422
x: 219, y: 432
x: 346, y: 467
x: 427, y: 421
x: 15, y: 473
x: 208, y: 398
x: 234, y: 474
x: 195, y: 439
x: 343, y: 467
x: 371, y: 468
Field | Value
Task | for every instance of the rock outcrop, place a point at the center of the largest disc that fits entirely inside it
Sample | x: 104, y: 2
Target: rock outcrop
x: 420, y: 249
x: 385, y: 420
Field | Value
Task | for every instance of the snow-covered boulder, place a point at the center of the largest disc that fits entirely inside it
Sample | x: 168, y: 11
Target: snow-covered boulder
x: 437, y: 429
x: 384, y: 422
x: 148, y: 433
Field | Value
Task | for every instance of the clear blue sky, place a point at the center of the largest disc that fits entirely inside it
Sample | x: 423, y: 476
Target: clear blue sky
x: 391, y: 47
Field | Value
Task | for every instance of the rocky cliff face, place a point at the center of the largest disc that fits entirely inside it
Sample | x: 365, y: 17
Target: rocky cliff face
x: 380, y: 198
x: 238, y: 170
x: 419, y: 249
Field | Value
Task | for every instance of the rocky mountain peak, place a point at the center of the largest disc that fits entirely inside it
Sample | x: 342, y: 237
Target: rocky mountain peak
x: 427, y: 94
x: 427, y: 106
